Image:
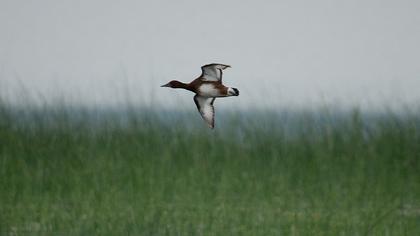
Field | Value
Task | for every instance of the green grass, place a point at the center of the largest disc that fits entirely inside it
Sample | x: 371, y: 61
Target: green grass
x: 76, y: 172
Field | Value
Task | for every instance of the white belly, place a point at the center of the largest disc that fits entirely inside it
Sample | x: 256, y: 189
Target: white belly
x: 208, y: 90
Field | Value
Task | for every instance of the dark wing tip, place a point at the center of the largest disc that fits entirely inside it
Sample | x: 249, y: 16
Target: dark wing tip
x: 215, y: 64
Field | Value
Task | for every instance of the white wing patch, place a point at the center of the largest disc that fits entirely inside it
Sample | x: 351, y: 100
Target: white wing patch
x: 213, y: 72
x: 208, y: 90
x: 206, y: 108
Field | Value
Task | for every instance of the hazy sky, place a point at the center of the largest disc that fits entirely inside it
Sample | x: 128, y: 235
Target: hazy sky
x: 285, y: 53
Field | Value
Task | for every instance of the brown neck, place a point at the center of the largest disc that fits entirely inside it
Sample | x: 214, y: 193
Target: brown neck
x: 177, y: 84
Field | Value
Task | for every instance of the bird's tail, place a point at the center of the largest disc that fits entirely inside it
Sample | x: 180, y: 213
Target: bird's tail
x: 233, y: 92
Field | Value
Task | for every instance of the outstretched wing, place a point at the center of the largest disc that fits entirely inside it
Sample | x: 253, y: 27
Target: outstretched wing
x: 206, y: 108
x: 213, y: 72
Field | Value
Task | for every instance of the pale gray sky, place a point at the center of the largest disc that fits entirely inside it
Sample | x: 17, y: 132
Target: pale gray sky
x: 286, y: 53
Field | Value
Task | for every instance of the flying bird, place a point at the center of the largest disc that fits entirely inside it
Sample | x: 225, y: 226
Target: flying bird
x: 207, y: 87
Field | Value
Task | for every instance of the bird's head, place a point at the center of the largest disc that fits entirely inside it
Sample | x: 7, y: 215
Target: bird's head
x: 174, y: 84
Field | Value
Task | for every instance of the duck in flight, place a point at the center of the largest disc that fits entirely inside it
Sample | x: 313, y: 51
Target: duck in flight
x: 207, y: 87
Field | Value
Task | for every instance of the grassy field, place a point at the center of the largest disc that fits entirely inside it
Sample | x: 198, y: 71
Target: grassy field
x: 67, y: 171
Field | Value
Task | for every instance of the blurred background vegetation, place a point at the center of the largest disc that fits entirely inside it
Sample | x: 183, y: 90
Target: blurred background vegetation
x: 68, y: 170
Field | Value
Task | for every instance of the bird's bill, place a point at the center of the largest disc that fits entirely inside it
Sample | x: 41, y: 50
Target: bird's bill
x: 228, y: 66
x: 165, y: 85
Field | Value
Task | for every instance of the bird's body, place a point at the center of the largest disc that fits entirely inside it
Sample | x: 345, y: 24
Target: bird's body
x: 207, y: 87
